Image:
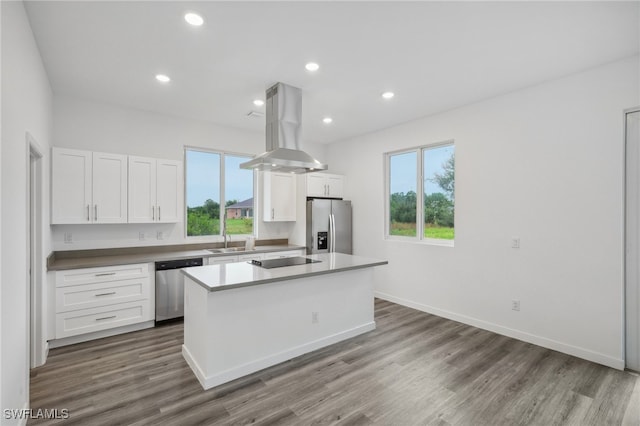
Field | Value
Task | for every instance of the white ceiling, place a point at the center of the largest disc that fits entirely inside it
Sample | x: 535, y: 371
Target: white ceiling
x: 434, y: 55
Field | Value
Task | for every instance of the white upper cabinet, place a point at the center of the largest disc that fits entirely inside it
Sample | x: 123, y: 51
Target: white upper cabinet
x: 88, y: 187
x: 316, y: 185
x: 169, y: 190
x: 325, y: 185
x: 142, y: 189
x: 154, y: 190
x: 71, y: 181
x: 109, y: 188
x: 279, y: 197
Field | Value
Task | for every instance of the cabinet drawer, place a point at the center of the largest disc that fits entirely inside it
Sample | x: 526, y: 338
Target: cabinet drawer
x: 255, y: 256
x: 280, y: 254
x: 86, y: 296
x: 222, y: 260
x: 97, y: 319
x: 98, y: 275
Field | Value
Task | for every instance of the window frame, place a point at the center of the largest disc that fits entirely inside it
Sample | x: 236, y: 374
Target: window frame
x: 222, y: 154
x: 419, y: 238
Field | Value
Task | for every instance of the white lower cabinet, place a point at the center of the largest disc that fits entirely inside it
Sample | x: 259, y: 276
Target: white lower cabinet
x: 252, y: 256
x: 255, y: 256
x: 97, y: 299
x: 97, y: 319
x: 222, y: 260
x: 288, y: 253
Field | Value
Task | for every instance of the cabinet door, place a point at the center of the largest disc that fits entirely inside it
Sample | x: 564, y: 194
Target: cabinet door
x: 109, y: 188
x: 316, y: 185
x: 281, y: 254
x: 279, y: 197
x: 248, y: 257
x: 222, y: 260
x: 169, y: 190
x: 71, y: 172
x: 335, y: 186
x: 142, y: 190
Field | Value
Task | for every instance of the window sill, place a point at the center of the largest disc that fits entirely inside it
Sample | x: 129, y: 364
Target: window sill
x: 218, y: 238
x: 425, y: 242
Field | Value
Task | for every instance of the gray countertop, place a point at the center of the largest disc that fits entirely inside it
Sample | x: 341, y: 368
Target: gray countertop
x: 243, y: 274
x: 143, y: 257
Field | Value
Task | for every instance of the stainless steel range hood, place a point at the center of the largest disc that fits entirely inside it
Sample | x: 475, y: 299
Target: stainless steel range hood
x: 284, y: 119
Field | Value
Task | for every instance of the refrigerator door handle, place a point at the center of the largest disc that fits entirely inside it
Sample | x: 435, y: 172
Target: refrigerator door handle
x: 332, y: 226
x: 331, y: 229
x: 330, y: 232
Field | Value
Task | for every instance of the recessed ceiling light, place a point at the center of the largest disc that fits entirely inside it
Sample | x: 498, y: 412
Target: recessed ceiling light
x: 312, y: 66
x: 258, y: 102
x: 194, y: 19
x: 163, y: 78
x: 327, y: 120
x: 388, y: 95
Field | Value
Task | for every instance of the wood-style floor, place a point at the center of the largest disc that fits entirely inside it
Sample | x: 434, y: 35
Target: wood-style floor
x: 414, y: 369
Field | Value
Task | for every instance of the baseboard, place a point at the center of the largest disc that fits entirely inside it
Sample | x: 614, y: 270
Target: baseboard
x: 219, y: 378
x: 509, y: 332
x: 45, y: 353
x: 195, y: 367
x: 99, y: 334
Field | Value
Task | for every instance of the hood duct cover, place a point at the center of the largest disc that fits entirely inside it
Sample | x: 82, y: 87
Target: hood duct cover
x: 284, y: 119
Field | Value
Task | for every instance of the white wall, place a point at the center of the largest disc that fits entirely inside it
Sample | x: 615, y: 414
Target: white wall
x: 543, y: 164
x: 26, y: 107
x: 1, y: 192
x: 93, y: 126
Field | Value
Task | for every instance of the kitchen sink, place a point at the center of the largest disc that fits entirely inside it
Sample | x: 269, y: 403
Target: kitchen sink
x: 227, y: 250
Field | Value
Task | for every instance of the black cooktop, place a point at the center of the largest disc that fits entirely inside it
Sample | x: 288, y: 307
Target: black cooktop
x: 285, y: 261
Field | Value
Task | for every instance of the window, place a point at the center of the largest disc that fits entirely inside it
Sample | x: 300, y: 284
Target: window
x: 214, y: 179
x: 423, y: 176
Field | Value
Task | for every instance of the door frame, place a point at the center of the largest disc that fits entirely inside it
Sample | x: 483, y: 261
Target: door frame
x: 631, y: 210
x: 35, y: 262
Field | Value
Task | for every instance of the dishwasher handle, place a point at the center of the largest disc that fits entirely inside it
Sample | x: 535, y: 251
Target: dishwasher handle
x: 178, y: 264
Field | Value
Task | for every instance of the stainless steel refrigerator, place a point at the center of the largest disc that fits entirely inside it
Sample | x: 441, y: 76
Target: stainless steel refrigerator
x: 328, y: 226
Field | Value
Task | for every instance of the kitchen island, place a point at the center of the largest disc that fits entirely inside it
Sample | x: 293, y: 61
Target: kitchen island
x: 240, y: 318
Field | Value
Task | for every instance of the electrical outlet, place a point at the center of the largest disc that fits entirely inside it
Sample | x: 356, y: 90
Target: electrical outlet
x: 515, y: 305
x: 315, y: 317
x: 160, y: 235
x: 515, y: 242
x: 141, y: 236
x: 68, y: 238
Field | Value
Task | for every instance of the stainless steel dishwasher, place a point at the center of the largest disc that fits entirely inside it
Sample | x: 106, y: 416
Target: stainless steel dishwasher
x: 170, y: 288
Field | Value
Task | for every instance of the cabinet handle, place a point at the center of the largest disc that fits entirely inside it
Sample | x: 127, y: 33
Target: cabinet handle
x: 105, y: 318
x: 88, y: 217
x: 159, y: 213
x: 105, y: 274
x: 273, y: 214
x: 106, y: 294
x: 95, y: 212
x: 153, y: 212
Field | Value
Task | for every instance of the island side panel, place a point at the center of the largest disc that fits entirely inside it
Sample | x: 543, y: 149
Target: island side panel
x: 194, y: 349
x: 252, y: 328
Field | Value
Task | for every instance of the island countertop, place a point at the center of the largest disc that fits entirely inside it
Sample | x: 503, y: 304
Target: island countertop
x: 244, y: 274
